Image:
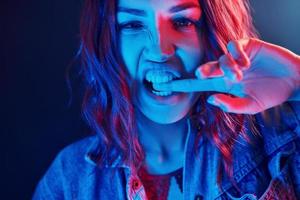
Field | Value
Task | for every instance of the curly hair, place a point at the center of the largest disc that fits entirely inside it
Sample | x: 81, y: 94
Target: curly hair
x: 223, y: 21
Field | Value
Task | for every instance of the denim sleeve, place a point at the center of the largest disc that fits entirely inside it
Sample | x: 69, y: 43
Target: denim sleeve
x: 69, y: 175
x: 295, y: 169
x: 287, y: 158
x: 295, y: 158
x: 51, y: 185
x: 280, y: 170
x: 295, y: 106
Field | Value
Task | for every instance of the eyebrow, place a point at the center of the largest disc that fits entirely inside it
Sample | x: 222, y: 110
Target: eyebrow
x: 183, y: 6
x: 132, y: 11
x: 174, y: 9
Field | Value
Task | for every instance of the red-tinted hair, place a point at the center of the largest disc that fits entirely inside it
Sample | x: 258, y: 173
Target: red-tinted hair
x: 106, y: 105
x: 223, y: 21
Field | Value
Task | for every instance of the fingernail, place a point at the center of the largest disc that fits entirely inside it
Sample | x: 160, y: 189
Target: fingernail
x: 197, y: 73
x: 211, y: 100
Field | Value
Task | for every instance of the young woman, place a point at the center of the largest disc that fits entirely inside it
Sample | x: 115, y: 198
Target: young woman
x: 176, y: 94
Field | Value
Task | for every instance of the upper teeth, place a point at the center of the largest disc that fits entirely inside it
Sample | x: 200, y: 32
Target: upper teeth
x: 158, y: 76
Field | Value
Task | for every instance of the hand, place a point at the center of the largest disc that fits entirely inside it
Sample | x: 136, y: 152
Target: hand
x: 253, y: 76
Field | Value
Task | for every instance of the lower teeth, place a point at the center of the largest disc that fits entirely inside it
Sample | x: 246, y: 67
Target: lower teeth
x: 161, y: 93
x: 149, y: 86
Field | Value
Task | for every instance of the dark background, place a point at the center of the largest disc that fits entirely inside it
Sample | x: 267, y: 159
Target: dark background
x: 38, y: 40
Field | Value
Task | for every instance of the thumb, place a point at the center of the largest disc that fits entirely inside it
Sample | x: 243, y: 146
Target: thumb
x: 231, y: 104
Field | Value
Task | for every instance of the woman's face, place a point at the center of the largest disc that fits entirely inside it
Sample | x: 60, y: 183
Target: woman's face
x: 159, y: 42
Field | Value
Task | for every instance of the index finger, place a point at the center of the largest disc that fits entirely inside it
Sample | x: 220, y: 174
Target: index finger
x: 218, y: 84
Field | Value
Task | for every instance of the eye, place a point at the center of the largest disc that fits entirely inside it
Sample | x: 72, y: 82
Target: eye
x: 132, y: 25
x: 181, y: 23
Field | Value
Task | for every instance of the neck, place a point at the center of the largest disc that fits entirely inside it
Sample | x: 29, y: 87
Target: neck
x: 162, y: 139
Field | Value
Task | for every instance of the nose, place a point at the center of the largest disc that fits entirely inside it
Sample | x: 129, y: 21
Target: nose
x: 159, y: 44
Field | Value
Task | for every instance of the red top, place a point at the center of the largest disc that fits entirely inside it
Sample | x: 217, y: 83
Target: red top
x: 157, y: 186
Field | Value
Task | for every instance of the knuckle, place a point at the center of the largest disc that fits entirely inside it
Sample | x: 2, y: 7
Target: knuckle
x: 223, y: 59
x: 232, y: 44
x: 229, y: 44
x: 204, y: 70
x: 237, y: 75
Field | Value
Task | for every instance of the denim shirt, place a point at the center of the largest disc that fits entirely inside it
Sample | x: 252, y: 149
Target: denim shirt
x: 267, y: 168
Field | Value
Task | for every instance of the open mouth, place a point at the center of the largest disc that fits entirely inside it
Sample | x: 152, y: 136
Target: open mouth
x: 156, y: 76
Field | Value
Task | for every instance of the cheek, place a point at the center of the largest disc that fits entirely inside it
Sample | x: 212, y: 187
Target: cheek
x: 130, y: 50
x: 191, y: 52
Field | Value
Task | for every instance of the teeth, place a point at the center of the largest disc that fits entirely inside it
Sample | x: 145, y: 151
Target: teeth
x: 156, y: 76
x: 160, y: 76
x: 161, y: 93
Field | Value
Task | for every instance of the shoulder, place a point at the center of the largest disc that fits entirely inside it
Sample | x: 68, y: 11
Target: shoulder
x: 73, y: 157
x: 271, y: 158
x: 68, y: 168
x: 72, y: 160
x: 76, y: 152
x: 278, y: 132
x: 279, y: 126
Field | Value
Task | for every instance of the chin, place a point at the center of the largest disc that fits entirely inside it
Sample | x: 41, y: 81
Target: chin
x: 165, y: 114
x: 169, y: 118
x: 165, y: 110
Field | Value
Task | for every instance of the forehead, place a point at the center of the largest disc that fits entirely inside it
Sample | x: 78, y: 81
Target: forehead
x: 157, y: 5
